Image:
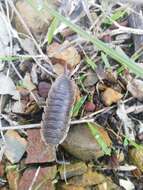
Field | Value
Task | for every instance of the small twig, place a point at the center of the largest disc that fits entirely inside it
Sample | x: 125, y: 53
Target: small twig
x: 81, y: 121
x: 106, y: 109
x: 17, y: 127
x: 119, y: 168
x: 135, y: 109
x: 38, y: 125
x: 34, y: 179
x: 85, y: 119
x: 124, y: 29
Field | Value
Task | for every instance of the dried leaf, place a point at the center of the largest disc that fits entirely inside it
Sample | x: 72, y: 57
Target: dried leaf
x: 37, y: 151
x: 111, y: 96
x: 34, y: 75
x: 13, y: 175
x: 5, y: 38
x: 136, y: 157
x: 64, y: 54
x: 127, y: 122
x: 27, y: 83
x: 91, y: 79
x: 17, y: 107
x: 82, y: 144
x: 15, y: 146
x: 135, y: 87
x: 28, y: 45
x: 7, y: 86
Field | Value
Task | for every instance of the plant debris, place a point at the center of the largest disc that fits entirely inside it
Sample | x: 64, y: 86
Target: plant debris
x: 97, y: 45
x: 15, y: 146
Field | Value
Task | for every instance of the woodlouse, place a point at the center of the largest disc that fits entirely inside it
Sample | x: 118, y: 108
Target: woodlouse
x: 56, y: 116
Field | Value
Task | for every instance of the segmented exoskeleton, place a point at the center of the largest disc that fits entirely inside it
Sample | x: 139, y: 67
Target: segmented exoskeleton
x: 56, y: 116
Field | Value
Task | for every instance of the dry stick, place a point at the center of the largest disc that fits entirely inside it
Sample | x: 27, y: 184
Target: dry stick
x: 83, y: 120
x: 106, y: 109
x: 38, y: 125
x: 124, y: 29
x: 34, y: 178
x: 17, y: 127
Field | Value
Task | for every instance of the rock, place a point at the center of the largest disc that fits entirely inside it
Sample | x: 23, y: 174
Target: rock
x: 136, y: 157
x: 58, y: 68
x: 3, y: 188
x: 37, y: 21
x: 72, y: 170
x: 108, y: 185
x: 43, y: 89
x: 64, y: 186
x: 63, y: 54
x: 12, y: 174
x: 82, y: 144
x: 92, y: 178
x: 1, y: 169
x: 89, y: 107
x: 88, y: 179
x: 111, y: 96
x: 43, y: 181
x: 37, y: 151
x: 91, y: 79
x: 15, y: 146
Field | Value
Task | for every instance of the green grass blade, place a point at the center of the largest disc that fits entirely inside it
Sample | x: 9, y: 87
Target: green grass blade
x: 105, y: 60
x: 115, y: 16
x: 90, y: 63
x: 99, y: 139
x: 125, y: 61
x: 78, y: 106
x: 9, y: 58
x: 52, y: 29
